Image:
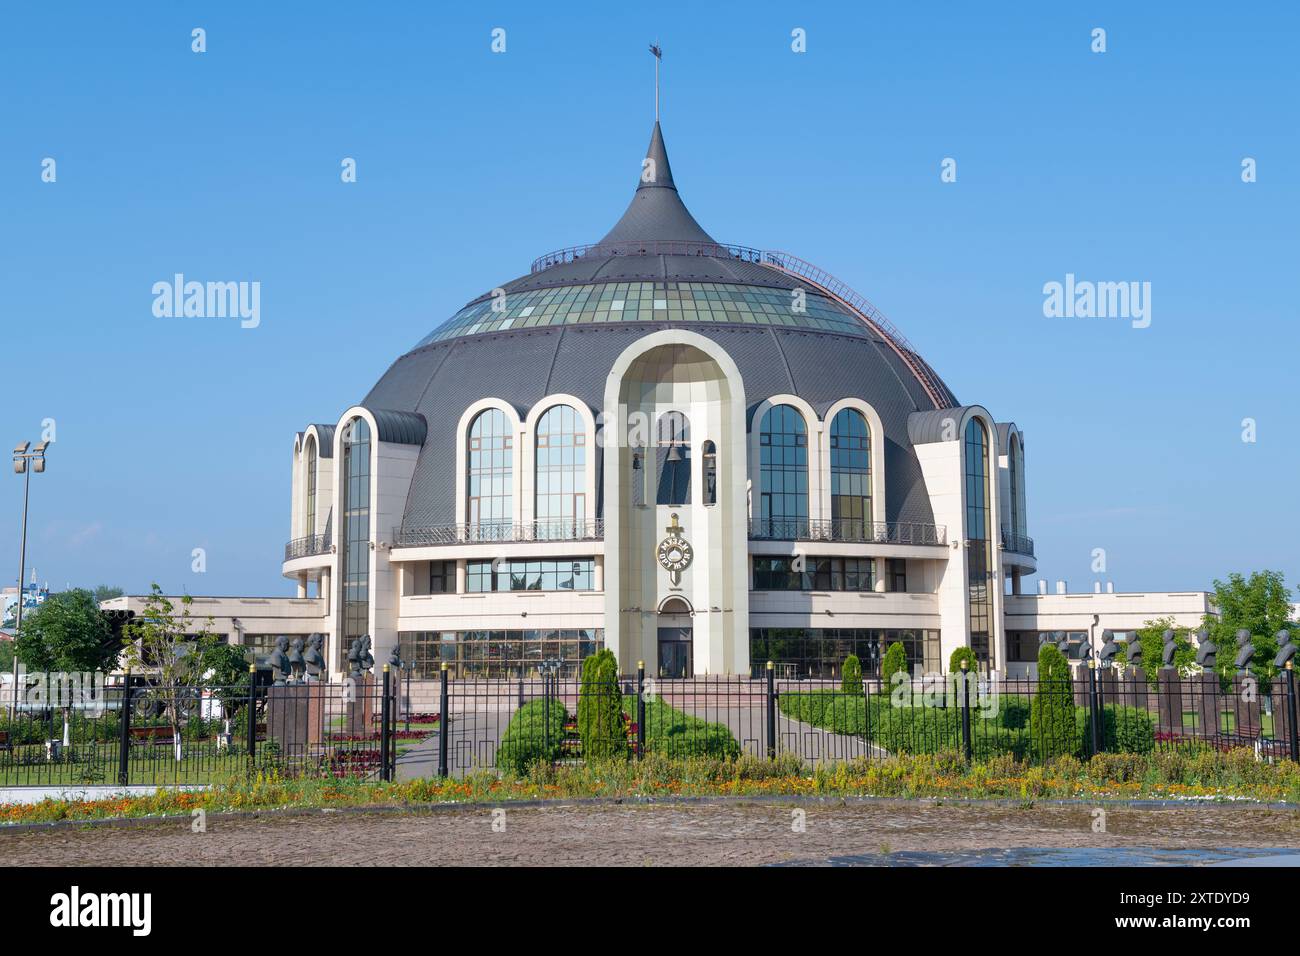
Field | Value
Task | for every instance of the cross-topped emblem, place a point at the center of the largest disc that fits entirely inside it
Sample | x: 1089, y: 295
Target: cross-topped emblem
x: 674, y: 530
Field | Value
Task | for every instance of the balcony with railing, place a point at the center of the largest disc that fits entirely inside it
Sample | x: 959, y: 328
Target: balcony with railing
x: 849, y: 531
x: 1017, y: 543
x: 498, y: 532
x: 307, y: 547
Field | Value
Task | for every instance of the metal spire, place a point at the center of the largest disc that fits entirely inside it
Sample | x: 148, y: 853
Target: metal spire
x: 658, y: 55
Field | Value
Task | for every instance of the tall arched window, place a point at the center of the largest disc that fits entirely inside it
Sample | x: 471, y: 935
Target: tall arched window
x: 851, y: 475
x: 1016, y: 477
x: 980, y: 553
x: 561, y: 474
x: 783, y: 473
x: 309, y: 522
x: 356, y: 531
x: 709, y: 452
x: 673, y: 459
x: 490, y: 476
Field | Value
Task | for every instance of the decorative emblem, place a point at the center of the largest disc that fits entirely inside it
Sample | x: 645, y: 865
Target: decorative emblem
x: 675, y: 552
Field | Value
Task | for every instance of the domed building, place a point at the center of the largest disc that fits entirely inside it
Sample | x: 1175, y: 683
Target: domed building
x: 700, y: 455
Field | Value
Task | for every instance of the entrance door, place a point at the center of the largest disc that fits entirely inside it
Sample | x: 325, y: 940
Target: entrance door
x: 675, y: 657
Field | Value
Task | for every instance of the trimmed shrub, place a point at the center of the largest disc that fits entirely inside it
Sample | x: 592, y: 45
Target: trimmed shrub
x: 671, y: 733
x: 963, y: 654
x: 531, y: 737
x: 600, y: 708
x: 851, y: 678
x: 1123, y: 730
x: 895, y: 660
x: 1052, y: 723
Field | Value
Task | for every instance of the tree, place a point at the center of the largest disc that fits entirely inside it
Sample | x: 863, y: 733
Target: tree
x: 103, y: 593
x: 851, y: 676
x: 67, y: 633
x: 1262, y: 605
x: 963, y: 654
x: 166, y: 643
x: 894, y: 661
x: 1051, y: 711
x: 600, y: 708
x: 1151, y: 637
x: 227, y: 674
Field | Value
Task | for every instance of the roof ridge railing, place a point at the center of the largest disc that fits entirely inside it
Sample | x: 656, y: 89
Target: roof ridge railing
x: 837, y: 289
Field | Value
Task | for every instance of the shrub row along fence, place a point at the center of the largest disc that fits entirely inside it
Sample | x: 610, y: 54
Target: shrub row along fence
x: 138, y: 733
x: 514, y: 724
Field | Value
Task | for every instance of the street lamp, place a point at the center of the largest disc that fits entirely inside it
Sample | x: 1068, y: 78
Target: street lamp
x: 25, y: 462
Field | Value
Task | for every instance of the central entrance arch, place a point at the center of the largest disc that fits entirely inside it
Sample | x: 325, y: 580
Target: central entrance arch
x: 676, y: 639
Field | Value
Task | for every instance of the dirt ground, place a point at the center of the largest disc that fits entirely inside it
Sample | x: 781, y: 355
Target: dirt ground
x: 654, y: 835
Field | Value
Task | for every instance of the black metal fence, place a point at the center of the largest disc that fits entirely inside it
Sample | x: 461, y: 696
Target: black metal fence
x: 511, y: 724
x: 137, y: 732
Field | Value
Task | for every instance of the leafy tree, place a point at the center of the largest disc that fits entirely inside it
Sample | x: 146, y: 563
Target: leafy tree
x: 600, y: 708
x: 67, y: 633
x: 1051, y: 712
x: 1151, y: 637
x: 169, y: 645
x: 227, y: 674
x: 1262, y: 605
x: 6, y: 657
x: 895, y: 660
x: 851, y: 676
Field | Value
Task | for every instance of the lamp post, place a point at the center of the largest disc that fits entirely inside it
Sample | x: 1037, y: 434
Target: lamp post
x: 25, y: 462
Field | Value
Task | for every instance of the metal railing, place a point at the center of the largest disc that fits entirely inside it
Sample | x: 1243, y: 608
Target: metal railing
x: 657, y: 247
x: 307, y: 546
x: 1017, y: 543
x: 591, y: 530
x: 847, y: 530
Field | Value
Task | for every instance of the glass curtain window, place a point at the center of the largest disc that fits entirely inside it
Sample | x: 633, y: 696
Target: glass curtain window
x: 356, y: 532
x: 980, y: 553
x: 783, y: 473
x: 560, y: 473
x: 851, y: 474
x: 490, y: 476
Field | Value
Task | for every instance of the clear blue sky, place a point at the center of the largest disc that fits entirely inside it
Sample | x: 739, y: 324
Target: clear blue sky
x: 177, y: 433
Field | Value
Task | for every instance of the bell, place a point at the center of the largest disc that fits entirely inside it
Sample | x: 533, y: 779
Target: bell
x: 674, y: 453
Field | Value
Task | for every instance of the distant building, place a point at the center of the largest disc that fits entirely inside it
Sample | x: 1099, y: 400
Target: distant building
x: 34, y: 596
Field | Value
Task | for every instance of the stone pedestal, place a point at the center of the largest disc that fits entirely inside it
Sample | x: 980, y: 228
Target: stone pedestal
x: 1169, y: 687
x: 1108, y: 686
x: 294, y: 717
x: 359, y: 712
x: 1134, y: 688
x: 1282, y: 728
x: 1247, y: 712
x: 1081, y: 685
x: 1204, y: 691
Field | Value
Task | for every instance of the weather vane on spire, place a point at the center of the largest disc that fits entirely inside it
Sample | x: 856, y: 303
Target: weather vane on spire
x: 659, y: 55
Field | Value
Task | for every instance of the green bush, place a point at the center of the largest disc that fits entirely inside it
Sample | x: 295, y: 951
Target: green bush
x: 851, y: 677
x: 671, y: 733
x: 895, y: 660
x: 600, y: 708
x: 1051, y: 714
x: 1123, y: 730
x: 535, y: 733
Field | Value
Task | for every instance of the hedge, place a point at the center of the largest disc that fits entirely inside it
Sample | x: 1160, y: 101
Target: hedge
x: 530, y: 736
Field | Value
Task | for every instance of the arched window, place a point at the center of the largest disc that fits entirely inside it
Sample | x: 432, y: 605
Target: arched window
x: 783, y: 473
x: 1016, y: 478
x: 980, y: 553
x: 851, y: 476
x: 561, y: 474
x: 673, y: 459
x: 356, y: 531
x: 490, y: 476
x: 309, y: 522
x: 709, y: 452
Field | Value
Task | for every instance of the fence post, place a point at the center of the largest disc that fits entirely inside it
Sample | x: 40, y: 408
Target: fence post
x: 771, y: 711
x: 1092, y: 701
x: 965, y: 708
x: 252, y: 718
x: 640, y: 709
x: 124, y: 735
x: 385, y: 715
x: 444, y: 720
x: 1291, y: 707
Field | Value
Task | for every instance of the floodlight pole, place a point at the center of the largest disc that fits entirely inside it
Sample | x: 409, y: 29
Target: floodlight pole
x: 22, y: 570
